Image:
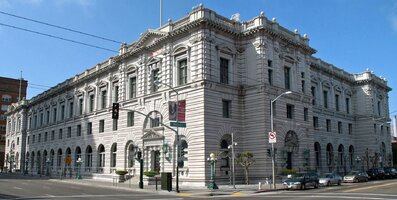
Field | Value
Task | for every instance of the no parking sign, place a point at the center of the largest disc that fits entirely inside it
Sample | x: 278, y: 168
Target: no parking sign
x: 272, y: 137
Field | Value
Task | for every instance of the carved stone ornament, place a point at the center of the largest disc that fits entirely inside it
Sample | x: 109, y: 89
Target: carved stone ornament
x: 89, y: 88
x: 69, y: 96
x: 78, y: 92
x: 337, y: 88
x: 260, y: 44
x: 61, y: 100
x: 113, y: 78
x: 349, y: 92
x: 151, y: 134
x: 102, y: 83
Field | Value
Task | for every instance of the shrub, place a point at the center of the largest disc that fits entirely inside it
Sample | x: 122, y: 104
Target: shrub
x: 289, y: 171
x: 151, y: 173
x: 121, y: 172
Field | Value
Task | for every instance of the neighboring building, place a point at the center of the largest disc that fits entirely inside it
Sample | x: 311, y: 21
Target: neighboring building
x: 9, y: 93
x: 226, y: 73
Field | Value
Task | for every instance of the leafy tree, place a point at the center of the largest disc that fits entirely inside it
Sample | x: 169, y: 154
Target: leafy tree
x: 245, y: 159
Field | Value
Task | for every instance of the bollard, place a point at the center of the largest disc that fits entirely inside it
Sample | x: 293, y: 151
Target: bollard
x: 260, y: 186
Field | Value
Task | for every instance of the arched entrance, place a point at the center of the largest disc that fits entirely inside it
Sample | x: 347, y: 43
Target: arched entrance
x: 291, y: 145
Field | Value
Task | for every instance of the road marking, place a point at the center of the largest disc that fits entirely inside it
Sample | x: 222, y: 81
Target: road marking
x: 17, y: 188
x: 238, y: 193
x: 184, y: 194
x: 369, y: 187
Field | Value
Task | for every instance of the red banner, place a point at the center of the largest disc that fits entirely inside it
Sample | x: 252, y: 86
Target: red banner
x: 172, y: 110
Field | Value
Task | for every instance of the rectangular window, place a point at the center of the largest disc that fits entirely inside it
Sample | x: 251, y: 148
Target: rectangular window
x: 116, y: 93
x: 154, y: 122
x: 303, y: 86
x: 39, y: 138
x: 17, y: 140
x: 350, y: 127
x: 91, y: 103
x: 325, y: 96
x: 379, y: 111
x: 340, y: 127
x: 33, y: 141
x: 381, y: 130
x: 287, y: 77
x: 337, y: 102
x: 41, y: 119
x: 347, y: 105
x: 269, y: 63
x: 270, y: 76
x: 78, y: 132
x: 103, y: 99
x: 224, y: 70
x: 101, y: 125
x: 89, y: 128
x: 290, y: 111
x: 69, y: 134
x: 81, y: 102
x: 375, y: 129
x: 62, y: 112
x: 35, y: 121
x: 45, y: 136
x: 115, y: 124
x: 132, y: 87
x: 226, y: 106
x: 305, y: 114
x: 28, y: 140
x: 182, y: 72
x: 130, y: 119
x: 328, y: 123
x: 313, y: 89
x: 54, y: 115
x: 71, y: 109
x: 60, y: 134
x: 155, y: 78
x: 52, y: 135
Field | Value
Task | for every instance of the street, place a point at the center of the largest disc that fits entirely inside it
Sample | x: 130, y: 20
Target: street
x: 27, y: 187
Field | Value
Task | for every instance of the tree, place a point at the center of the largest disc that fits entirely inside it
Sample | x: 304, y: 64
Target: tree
x: 245, y: 159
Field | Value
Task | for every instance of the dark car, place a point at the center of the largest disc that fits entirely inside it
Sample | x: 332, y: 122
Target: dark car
x: 390, y: 172
x: 376, y: 173
x: 302, y: 181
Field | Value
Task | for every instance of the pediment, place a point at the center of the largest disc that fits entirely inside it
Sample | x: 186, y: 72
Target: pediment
x: 150, y: 37
x: 151, y: 134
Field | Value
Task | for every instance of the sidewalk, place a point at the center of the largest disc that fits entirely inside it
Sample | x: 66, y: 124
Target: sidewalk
x: 184, y: 190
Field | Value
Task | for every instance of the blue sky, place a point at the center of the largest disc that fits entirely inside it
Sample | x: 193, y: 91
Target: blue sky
x: 351, y: 34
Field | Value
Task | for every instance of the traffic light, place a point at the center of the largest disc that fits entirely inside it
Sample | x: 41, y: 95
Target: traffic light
x: 269, y: 152
x: 115, y: 110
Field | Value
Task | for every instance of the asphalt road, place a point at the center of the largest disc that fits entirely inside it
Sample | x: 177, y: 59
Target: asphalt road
x: 34, y: 188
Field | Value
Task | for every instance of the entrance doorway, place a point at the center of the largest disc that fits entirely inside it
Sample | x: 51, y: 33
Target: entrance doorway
x: 155, y: 165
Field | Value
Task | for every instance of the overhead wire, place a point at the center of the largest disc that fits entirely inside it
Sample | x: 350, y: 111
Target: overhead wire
x: 60, y: 27
x: 58, y: 37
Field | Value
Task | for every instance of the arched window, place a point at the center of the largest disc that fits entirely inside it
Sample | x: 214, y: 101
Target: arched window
x: 101, y: 157
x: 330, y: 156
x: 184, y: 153
x: 17, y: 160
x: 153, y: 119
x: 351, y: 156
x: 113, y: 156
x: 341, y: 151
x: 59, y: 158
x: 77, y: 155
x: 88, y: 158
x: 38, y: 160
x: 130, y: 154
x: 45, y: 158
x: 317, y: 151
x: 32, y: 161
x: 225, y: 142
x: 52, y: 154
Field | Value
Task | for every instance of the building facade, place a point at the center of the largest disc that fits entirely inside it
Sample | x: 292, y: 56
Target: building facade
x: 10, y: 89
x: 225, y: 73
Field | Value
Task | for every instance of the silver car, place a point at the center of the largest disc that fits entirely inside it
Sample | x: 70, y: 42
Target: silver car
x: 355, y: 177
x: 330, y: 179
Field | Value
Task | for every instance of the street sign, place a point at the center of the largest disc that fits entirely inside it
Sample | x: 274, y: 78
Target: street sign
x: 272, y: 137
x: 179, y: 124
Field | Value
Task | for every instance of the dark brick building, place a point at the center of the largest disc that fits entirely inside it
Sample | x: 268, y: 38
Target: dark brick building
x: 9, y: 93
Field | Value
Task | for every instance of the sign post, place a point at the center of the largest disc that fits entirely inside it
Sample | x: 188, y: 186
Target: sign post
x: 272, y: 137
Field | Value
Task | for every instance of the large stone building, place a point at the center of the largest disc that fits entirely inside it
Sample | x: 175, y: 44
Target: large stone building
x: 10, y: 91
x: 226, y: 73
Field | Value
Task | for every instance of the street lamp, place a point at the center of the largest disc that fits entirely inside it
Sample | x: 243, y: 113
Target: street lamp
x: 78, y: 162
x: 271, y: 127
x: 157, y: 82
x: 47, y: 163
x: 232, y: 147
x: 212, y: 185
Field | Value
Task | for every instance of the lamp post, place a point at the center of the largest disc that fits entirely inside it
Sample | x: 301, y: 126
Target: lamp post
x: 47, y: 164
x: 358, y: 160
x: 271, y: 127
x: 78, y: 162
x: 157, y: 82
x: 232, y: 147
x: 212, y: 185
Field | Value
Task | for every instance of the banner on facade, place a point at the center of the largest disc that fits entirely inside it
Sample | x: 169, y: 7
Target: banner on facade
x: 172, y: 110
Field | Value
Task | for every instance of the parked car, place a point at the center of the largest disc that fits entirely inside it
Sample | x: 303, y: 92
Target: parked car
x: 302, y: 181
x: 390, y: 172
x: 330, y: 179
x: 355, y: 177
x: 376, y: 173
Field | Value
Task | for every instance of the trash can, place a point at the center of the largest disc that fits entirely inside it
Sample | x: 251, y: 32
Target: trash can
x: 166, y: 181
